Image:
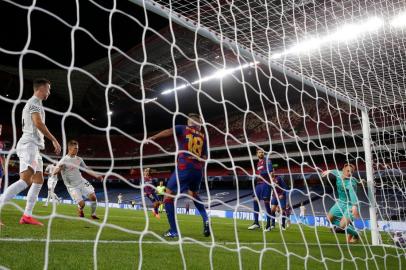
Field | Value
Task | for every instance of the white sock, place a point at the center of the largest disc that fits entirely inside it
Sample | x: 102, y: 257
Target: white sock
x: 48, y: 198
x: 12, y: 190
x: 32, y: 197
x: 93, y: 206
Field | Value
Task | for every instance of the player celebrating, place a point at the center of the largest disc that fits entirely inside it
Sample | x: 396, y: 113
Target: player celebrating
x: 52, y: 181
x: 150, y: 193
x: 78, y: 187
x: 345, y: 209
x: 279, y: 195
x: 190, y: 160
x: 262, y: 190
x: 32, y: 140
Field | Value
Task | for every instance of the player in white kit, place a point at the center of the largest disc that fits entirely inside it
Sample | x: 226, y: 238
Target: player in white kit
x: 28, y: 147
x: 78, y: 187
x: 52, y: 181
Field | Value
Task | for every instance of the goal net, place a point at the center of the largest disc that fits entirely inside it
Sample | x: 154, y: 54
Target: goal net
x: 315, y: 85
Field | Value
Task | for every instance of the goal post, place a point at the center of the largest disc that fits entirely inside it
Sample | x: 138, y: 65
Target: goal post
x: 366, y: 134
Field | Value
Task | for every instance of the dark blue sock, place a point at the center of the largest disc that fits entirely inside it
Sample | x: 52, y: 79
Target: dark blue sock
x: 200, y: 207
x: 283, y: 219
x: 256, y: 209
x: 268, y: 214
x: 273, y: 218
x: 170, y: 213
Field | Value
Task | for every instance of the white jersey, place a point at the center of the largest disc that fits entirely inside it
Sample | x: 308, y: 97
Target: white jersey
x: 50, y: 169
x: 70, y: 171
x: 30, y: 132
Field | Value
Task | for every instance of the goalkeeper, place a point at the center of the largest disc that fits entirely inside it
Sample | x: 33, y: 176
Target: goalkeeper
x: 343, y: 212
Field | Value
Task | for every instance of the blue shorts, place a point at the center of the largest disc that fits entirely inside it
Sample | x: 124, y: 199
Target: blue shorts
x: 189, y: 179
x: 1, y: 172
x: 263, y: 191
x: 280, y: 202
x: 153, y: 197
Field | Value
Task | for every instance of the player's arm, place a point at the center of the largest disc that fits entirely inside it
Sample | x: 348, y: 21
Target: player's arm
x: 90, y: 171
x: 36, y: 119
x: 167, y: 133
x: 163, y: 134
x: 326, y: 173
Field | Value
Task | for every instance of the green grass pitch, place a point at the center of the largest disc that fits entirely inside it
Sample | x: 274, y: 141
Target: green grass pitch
x: 128, y: 239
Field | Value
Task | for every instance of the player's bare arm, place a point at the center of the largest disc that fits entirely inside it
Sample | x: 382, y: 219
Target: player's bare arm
x: 163, y: 134
x: 39, y: 124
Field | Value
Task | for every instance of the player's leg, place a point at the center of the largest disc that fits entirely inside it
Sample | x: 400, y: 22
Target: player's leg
x: 334, y: 216
x: 256, y: 199
x: 171, y: 188
x: 37, y: 182
x: 266, y: 196
x: 53, y: 192
x: 32, y: 197
x: 88, y: 191
x: 202, y: 211
x: 76, y: 195
x: 195, y: 177
x: 93, y: 205
x: 156, y: 204
x: 274, y: 206
x: 346, y: 223
x: 161, y: 200
x: 48, y: 197
x: 282, y: 207
x: 28, y: 164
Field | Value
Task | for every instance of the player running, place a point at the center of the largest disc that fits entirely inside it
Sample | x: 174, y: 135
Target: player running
x: 262, y: 190
x: 150, y: 193
x: 189, y: 170
x: 52, y: 181
x: 28, y: 147
x: 345, y: 209
x: 78, y: 187
x: 279, y: 195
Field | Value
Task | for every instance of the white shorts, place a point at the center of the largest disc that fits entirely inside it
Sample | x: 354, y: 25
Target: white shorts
x: 83, y: 190
x: 52, y: 183
x: 29, y: 156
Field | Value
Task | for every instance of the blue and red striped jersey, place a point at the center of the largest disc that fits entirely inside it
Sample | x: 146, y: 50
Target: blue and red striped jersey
x: 192, y: 144
x: 148, y: 189
x: 264, y: 169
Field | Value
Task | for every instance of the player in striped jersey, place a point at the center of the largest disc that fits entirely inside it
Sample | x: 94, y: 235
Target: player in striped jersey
x: 150, y: 193
x: 262, y: 190
x: 192, y: 153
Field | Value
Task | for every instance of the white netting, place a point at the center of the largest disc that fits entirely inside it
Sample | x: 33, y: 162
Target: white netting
x: 297, y: 79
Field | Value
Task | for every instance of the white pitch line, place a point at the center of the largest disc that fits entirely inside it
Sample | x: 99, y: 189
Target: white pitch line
x: 170, y: 242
